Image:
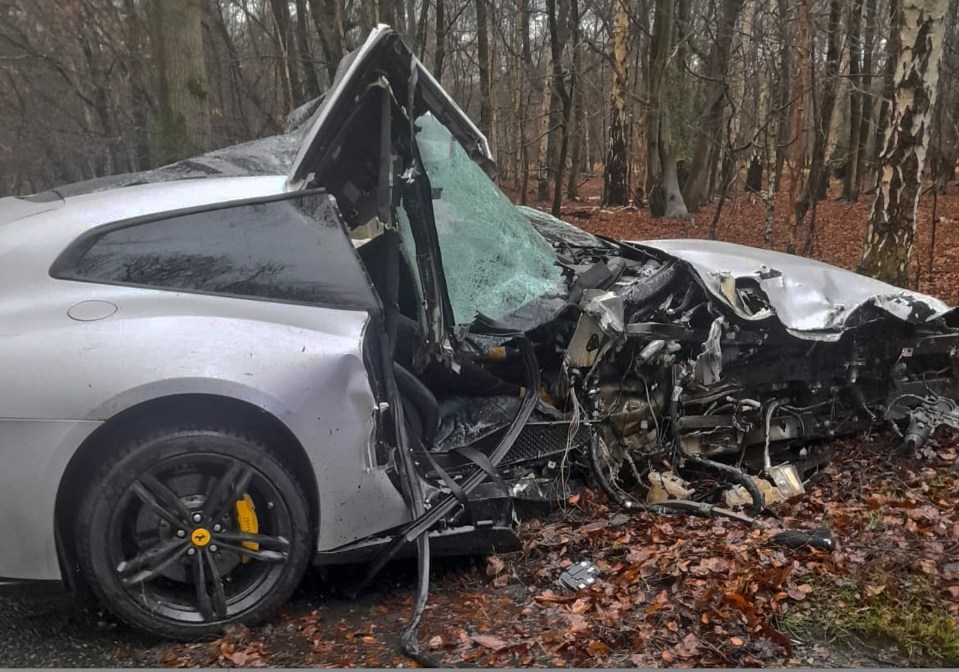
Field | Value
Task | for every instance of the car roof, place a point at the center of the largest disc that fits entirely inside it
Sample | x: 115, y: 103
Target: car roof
x: 49, y: 215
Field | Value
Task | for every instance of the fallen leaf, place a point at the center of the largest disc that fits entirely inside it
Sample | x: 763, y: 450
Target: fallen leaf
x: 490, y: 642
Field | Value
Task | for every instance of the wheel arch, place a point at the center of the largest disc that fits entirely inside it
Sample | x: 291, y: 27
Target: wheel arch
x: 182, y: 408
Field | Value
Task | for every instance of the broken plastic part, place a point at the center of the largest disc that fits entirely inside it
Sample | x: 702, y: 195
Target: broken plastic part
x: 493, y: 259
x: 579, y: 576
x: 818, y: 537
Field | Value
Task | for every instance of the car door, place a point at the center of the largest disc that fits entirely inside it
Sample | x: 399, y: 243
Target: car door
x: 264, y: 301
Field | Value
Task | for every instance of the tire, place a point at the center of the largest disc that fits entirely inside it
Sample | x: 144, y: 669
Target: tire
x: 161, y: 518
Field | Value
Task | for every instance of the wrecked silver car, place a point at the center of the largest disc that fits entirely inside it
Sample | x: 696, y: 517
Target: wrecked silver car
x: 344, y: 344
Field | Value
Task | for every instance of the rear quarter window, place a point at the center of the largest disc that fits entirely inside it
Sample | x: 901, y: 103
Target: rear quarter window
x: 291, y: 250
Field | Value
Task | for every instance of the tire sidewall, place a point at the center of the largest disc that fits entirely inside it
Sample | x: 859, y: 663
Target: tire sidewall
x: 107, y: 490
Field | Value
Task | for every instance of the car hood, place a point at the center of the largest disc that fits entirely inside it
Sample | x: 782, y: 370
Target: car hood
x: 813, y: 300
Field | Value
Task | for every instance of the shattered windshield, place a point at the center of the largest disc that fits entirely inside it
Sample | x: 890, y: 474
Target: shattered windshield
x: 494, y: 260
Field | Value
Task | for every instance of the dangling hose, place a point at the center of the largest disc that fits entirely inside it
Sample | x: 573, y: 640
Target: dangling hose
x: 735, y: 474
x: 668, y: 506
x: 423, y: 519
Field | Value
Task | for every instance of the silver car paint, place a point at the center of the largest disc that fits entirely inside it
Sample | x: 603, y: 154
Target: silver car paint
x: 62, y: 377
x: 812, y: 299
x: 335, y: 98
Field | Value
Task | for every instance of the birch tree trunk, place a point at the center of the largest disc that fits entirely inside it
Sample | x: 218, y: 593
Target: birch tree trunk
x: 615, y: 186
x: 888, y: 84
x: 739, y: 67
x: 892, y: 223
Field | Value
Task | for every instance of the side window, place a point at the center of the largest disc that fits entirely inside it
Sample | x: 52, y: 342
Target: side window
x: 284, y: 250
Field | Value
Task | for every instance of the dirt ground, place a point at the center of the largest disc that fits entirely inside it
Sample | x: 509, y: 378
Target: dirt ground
x: 672, y: 591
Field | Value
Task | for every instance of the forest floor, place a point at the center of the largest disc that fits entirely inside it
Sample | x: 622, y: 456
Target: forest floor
x: 673, y: 591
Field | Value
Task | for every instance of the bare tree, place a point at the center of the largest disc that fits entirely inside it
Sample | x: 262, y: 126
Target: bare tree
x: 184, y: 110
x: 712, y: 118
x: 892, y: 223
x: 813, y: 186
x: 615, y: 185
x: 662, y: 180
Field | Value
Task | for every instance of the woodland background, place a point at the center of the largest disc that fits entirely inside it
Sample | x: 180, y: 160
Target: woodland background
x: 669, y: 103
x: 825, y: 127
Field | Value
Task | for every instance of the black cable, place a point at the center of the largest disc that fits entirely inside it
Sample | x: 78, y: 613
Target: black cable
x: 409, y: 642
x: 423, y: 523
x: 738, y: 475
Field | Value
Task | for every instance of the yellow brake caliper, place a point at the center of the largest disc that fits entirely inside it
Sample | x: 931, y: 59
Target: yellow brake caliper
x: 247, y: 521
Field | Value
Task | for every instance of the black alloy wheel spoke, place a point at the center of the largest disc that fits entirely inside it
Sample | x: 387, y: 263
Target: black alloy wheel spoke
x: 265, y: 556
x: 278, y: 543
x: 204, y: 603
x: 161, y: 500
x: 216, y: 582
x: 152, y: 562
x: 234, y: 482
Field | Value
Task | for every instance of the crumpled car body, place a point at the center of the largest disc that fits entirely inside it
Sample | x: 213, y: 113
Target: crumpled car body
x: 344, y: 342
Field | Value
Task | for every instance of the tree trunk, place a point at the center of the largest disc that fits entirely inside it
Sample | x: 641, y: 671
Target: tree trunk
x: 812, y: 186
x: 710, y: 125
x: 289, y: 80
x: 140, y: 100
x: 799, y: 142
x: 855, y: 102
x: 556, y: 44
x: 888, y: 84
x: 310, y: 85
x: 184, y: 111
x: 739, y: 69
x: 524, y: 29
x: 519, y: 136
x: 892, y: 223
x: 421, y: 28
x: 770, y: 120
x: 329, y: 26
x: 783, y: 93
x: 557, y: 19
x: 579, y: 113
x: 615, y: 187
x: 662, y: 179
x: 673, y: 205
x: 865, y: 118
x: 439, y: 53
x: 482, y: 49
